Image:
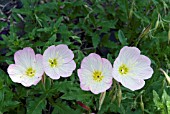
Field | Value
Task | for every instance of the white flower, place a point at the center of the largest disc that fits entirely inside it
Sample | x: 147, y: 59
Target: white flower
x: 95, y: 74
x: 130, y: 68
x: 28, y: 68
x: 58, y: 61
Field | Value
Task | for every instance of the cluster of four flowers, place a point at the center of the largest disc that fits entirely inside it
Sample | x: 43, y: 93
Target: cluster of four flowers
x: 130, y: 68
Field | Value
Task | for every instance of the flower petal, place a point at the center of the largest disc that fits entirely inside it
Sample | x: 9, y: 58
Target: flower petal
x: 25, y: 57
x: 132, y: 84
x: 49, y: 53
x: 107, y: 71
x: 129, y: 55
x: 39, y: 66
x: 29, y: 81
x: 142, y: 69
x: 97, y: 88
x: 64, y: 53
x: 92, y: 62
x: 138, y: 68
x: 51, y: 72
x: 85, y: 77
x: 65, y: 70
x: 16, y: 72
x: 65, y: 64
x: 116, y: 75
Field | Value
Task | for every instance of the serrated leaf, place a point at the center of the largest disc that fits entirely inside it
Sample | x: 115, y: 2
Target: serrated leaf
x: 76, y: 95
x: 63, y: 87
x: 9, y: 104
x: 107, y: 24
x: 36, y: 106
x: 63, y: 108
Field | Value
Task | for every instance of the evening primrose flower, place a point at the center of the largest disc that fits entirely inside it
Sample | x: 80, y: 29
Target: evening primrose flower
x: 28, y: 68
x: 130, y: 68
x: 95, y: 74
x: 58, y: 61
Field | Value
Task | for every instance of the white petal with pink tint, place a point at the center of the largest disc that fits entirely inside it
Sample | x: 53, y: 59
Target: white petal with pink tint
x: 66, y: 69
x: 58, y: 61
x: 130, y: 68
x: 93, y: 61
x: 131, y: 54
x: 16, y: 72
x: 97, y: 88
x: 85, y: 77
x: 25, y: 57
x: 132, y: 84
x: 64, y: 53
x: 28, y: 68
x: 106, y: 69
x: 95, y: 74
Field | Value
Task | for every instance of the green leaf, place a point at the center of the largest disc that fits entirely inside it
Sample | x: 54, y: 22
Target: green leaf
x: 109, y: 57
x: 36, y: 106
x: 106, y: 25
x: 57, y: 24
x: 122, y: 38
x: 95, y: 40
x: 77, y: 39
x: 77, y: 95
x: 165, y: 97
x: 9, y: 62
x: 168, y: 106
x: 157, y: 100
x: 63, y: 108
x: 45, y: 29
x: 52, y: 39
x: 10, y: 104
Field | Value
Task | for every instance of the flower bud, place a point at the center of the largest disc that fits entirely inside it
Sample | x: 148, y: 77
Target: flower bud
x: 141, y: 104
x: 166, y: 75
x: 101, y: 99
x: 157, y: 24
x: 145, y: 31
x: 119, y: 95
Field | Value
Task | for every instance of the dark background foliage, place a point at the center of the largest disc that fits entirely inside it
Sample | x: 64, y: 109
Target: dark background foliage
x: 86, y: 26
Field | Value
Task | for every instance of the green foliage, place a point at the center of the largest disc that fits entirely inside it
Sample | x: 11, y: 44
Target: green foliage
x: 35, y: 106
x: 162, y: 104
x: 86, y: 26
x: 122, y: 38
x: 62, y: 108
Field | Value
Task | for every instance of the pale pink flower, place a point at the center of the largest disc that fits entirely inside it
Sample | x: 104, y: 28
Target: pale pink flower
x: 28, y: 68
x: 131, y: 68
x: 95, y: 74
x: 58, y: 61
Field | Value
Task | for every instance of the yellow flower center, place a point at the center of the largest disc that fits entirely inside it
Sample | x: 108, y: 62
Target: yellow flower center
x: 97, y: 76
x: 123, y: 69
x: 30, y: 72
x: 53, y: 62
